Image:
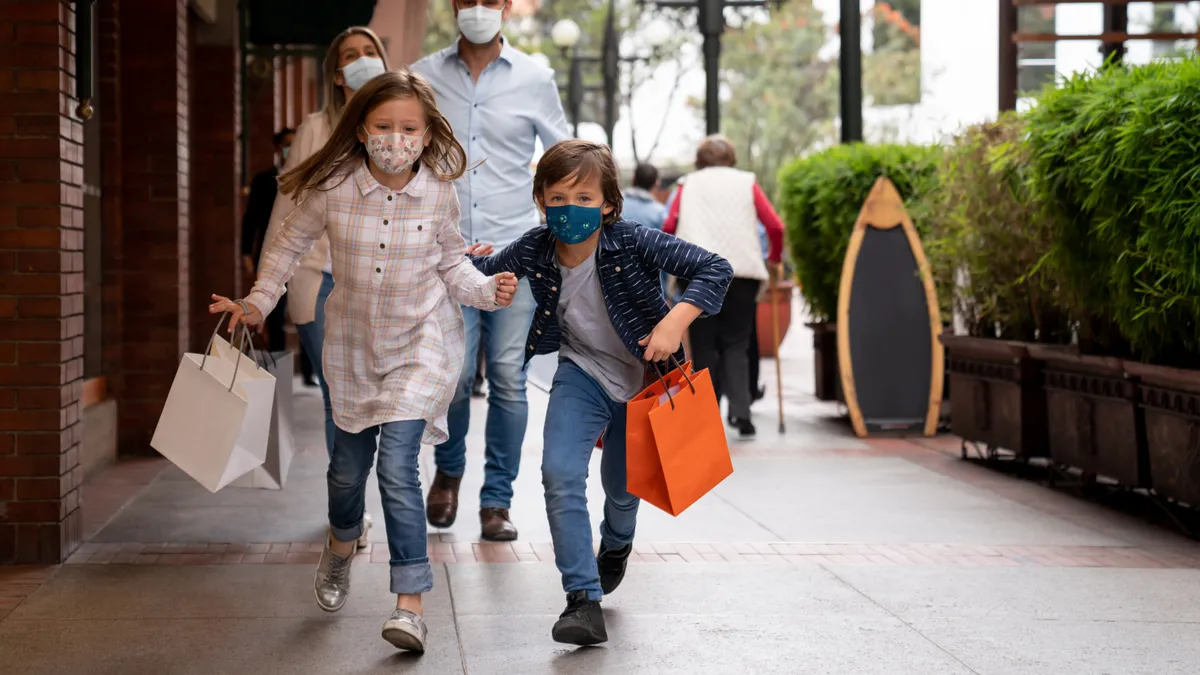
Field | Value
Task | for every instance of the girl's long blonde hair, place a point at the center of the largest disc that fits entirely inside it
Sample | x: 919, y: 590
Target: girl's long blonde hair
x: 344, y: 152
x: 335, y: 96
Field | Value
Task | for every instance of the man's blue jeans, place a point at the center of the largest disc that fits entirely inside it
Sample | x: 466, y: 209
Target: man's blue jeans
x: 312, y: 338
x: 578, y: 413
x: 400, y: 486
x: 502, y: 335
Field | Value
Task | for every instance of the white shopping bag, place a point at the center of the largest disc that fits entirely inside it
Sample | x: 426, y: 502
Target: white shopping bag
x: 216, y: 423
x: 281, y: 445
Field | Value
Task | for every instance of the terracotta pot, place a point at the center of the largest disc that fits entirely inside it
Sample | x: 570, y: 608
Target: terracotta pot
x: 766, y: 331
x: 1094, y: 418
x: 827, y: 384
x: 997, y: 396
x: 1169, y: 399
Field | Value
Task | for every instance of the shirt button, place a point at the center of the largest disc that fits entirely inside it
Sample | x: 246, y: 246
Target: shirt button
x: 389, y: 198
x: 419, y: 227
x: 539, y: 275
x: 385, y: 221
x: 382, y: 246
x: 378, y: 270
x: 554, y: 288
x: 547, y: 313
x: 530, y: 347
x: 539, y: 331
x: 618, y: 269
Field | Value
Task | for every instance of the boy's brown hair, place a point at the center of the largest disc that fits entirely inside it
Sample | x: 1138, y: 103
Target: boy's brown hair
x: 575, y: 160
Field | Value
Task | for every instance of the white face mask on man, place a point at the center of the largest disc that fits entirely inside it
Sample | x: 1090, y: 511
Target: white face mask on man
x: 479, y: 25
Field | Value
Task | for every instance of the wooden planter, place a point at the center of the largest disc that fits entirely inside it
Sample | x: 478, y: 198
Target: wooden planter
x: 996, y: 394
x: 782, y: 300
x: 1095, y: 421
x: 827, y: 380
x: 1169, y: 399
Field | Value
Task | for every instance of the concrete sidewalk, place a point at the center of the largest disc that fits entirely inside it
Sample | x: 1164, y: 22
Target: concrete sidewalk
x: 821, y: 554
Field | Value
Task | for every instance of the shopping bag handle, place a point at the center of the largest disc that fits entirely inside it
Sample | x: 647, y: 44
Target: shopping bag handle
x: 237, y: 363
x: 662, y: 377
x: 267, y: 351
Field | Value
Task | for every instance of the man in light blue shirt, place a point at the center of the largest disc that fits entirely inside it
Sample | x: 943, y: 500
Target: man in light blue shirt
x: 499, y: 101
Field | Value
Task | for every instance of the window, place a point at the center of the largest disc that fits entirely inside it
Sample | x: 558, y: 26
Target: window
x: 1035, y: 60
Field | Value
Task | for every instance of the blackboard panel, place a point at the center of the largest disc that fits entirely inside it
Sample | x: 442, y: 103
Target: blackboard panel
x: 891, y: 346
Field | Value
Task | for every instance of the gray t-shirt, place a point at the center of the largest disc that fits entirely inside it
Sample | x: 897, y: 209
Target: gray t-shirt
x: 588, y: 337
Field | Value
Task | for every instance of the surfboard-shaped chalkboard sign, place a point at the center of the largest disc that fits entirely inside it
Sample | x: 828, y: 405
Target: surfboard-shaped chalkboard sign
x: 888, y: 321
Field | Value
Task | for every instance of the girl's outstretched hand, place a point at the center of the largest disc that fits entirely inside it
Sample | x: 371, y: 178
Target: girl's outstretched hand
x: 506, y: 288
x: 237, y: 314
x: 481, y: 250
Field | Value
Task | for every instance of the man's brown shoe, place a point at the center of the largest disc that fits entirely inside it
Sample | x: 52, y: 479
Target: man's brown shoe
x: 496, y: 526
x: 441, y: 508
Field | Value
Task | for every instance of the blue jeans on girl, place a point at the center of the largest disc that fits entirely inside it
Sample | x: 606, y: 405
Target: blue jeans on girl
x: 578, y: 413
x: 400, y: 486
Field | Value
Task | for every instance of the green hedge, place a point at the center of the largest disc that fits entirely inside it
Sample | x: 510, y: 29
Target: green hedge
x: 820, y: 196
x: 986, y: 237
x: 1115, y: 162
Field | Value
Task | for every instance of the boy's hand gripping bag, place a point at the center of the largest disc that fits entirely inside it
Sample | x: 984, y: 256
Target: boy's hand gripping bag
x: 217, y: 418
x: 675, y: 443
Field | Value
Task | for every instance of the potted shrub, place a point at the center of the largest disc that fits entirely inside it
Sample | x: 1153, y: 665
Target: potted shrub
x: 986, y: 239
x: 1113, y: 154
x: 1130, y: 247
x: 819, y: 198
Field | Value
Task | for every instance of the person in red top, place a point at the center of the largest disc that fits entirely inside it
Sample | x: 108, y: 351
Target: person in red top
x: 720, y: 208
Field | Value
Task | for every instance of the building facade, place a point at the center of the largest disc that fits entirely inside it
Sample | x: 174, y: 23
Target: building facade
x: 118, y: 218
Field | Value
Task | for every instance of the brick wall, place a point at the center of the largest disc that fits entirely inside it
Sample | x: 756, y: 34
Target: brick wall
x: 41, y: 283
x: 216, y: 216
x: 154, y: 175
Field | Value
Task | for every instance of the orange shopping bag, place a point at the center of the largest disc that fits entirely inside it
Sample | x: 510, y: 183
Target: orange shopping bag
x: 675, y: 445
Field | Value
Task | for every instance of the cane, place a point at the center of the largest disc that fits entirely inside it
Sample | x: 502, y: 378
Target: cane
x: 775, y: 329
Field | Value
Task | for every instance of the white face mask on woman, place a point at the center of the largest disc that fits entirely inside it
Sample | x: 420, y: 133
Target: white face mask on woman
x: 479, y: 24
x: 360, y: 71
x: 395, y: 153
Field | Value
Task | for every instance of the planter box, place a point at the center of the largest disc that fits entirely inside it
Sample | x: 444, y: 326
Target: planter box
x: 1095, y: 421
x: 1170, y: 401
x: 782, y: 299
x: 996, y: 394
x: 826, y: 374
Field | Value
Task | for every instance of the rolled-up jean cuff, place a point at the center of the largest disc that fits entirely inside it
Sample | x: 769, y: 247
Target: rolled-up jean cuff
x: 412, y: 577
x: 346, y: 534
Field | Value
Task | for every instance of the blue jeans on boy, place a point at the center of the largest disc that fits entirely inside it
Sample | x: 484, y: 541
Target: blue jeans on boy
x: 399, y: 445
x: 312, y: 339
x: 501, y: 334
x: 578, y: 413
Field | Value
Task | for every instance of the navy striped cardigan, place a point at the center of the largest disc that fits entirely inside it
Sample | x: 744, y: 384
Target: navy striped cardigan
x: 629, y: 259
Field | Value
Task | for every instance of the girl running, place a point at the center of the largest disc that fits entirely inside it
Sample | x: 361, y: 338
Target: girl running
x: 381, y: 189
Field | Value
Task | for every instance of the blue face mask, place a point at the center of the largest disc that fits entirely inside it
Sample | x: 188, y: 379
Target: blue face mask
x: 573, y: 224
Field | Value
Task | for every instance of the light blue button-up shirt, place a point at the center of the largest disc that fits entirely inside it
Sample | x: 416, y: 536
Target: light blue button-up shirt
x: 497, y: 121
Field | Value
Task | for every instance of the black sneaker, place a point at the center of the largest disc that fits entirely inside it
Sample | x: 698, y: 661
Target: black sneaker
x: 744, y: 426
x: 612, y: 566
x: 581, y: 623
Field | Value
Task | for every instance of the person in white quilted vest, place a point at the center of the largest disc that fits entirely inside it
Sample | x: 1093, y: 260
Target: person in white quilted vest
x: 719, y: 209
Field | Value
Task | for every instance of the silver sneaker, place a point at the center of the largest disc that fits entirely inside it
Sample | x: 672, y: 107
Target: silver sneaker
x: 406, y: 630
x: 363, y: 541
x: 333, y: 579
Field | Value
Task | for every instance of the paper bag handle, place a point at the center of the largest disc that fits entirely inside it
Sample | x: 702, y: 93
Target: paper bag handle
x: 662, y: 377
x: 236, y: 364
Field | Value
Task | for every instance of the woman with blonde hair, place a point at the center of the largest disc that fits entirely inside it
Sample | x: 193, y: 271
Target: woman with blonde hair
x: 719, y: 208
x: 382, y: 189
x: 354, y: 57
